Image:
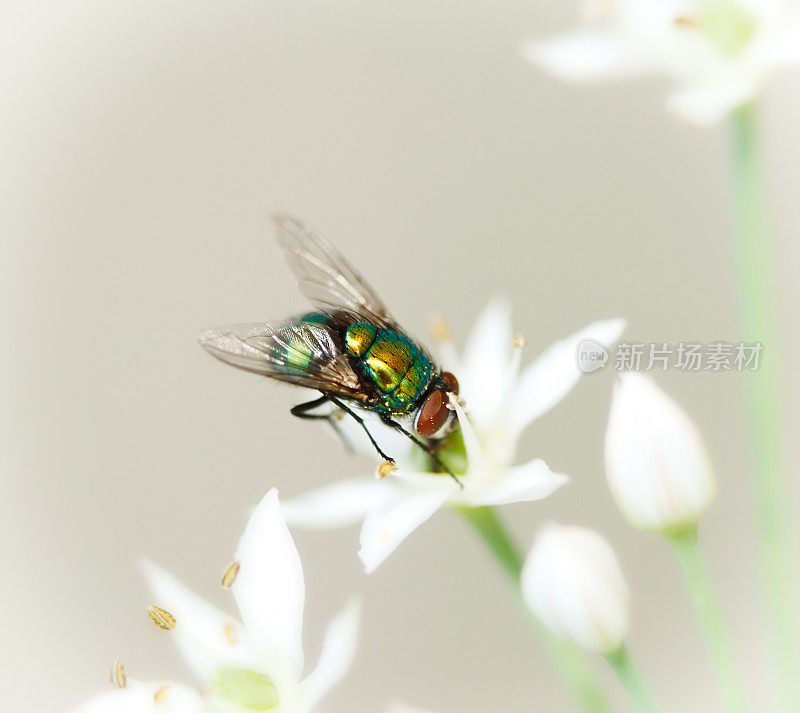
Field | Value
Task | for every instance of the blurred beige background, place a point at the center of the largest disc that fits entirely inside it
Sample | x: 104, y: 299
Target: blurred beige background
x: 143, y: 147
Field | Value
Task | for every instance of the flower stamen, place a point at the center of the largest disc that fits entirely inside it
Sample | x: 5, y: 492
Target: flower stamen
x: 160, y: 696
x: 229, y: 577
x: 161, y: 618
x: 118, y: 676
x: 440, y: 330
x: 230, y: 635
x: 384, y: 469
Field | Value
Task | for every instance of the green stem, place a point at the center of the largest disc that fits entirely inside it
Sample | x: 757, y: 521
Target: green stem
x: 570, y: 661
x: 763, y: 397
x: 620, y: 661
x: 684, y: 545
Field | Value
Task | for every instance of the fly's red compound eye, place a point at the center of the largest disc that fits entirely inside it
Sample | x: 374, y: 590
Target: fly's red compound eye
x: 433, y: 414
x: 451, y: 381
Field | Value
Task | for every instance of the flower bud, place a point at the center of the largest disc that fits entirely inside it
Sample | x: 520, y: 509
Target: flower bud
x: 572, y: 581
x: 656, y: 465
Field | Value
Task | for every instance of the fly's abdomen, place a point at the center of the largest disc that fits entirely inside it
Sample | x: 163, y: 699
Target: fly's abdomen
x: 395, y: 365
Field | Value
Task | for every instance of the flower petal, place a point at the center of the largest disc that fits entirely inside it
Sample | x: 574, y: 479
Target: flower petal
x: 476, y: 458
x: 139, y: 697
x: 390, y: 440
x: 590, y: 55
x: 572, y: 581
x: 337, y: 505
x: 550, y: 377
x: 532, y: 481
x: 386, y: 528
x: 484, y: 368
x: 338, y: 652
x: 703, y: 105
x: 200, y: 633
x: 269, y: 588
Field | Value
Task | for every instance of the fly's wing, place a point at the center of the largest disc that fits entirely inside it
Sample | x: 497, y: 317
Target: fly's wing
x: 325, y: 277
x: 299, y: 353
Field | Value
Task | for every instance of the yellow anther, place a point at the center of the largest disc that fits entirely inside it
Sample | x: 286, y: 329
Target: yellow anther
x: 596, y: 10
x: 230, y: 575
x: 230, y: 634
x: 385, y: 535
x: 160, y: 695
x: 441, y: 330
x: 118, y: 676
x: 519, y: 341
x: 161, y: 618
x: 387, y: 467
x: 684, y: 22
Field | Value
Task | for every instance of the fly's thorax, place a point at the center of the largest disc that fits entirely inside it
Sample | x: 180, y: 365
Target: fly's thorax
x: 395, y: 366
x: 359, y: 337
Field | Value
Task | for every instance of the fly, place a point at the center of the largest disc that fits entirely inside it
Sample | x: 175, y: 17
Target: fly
x: 349, y: 348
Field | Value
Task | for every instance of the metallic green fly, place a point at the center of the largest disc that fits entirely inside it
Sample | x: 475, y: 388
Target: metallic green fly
x: 349, y: 349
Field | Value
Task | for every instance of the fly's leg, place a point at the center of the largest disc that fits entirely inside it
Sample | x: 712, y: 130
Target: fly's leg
x: 360, y: 422
x: 302, y: 411
x: 424, y: 446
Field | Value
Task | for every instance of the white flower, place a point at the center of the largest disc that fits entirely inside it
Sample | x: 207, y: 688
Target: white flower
x: 137, y: 697
x: 719, y: 52
x: 502, y: 402
x: 257, y: 665
x: 572, y: 581
x: 656, y: 464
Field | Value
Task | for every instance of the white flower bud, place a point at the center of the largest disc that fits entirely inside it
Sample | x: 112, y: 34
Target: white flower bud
x: 572, y: 581
x: 656, y: 464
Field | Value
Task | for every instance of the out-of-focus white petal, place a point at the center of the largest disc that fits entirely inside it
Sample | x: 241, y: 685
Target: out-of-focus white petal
x: 390, y: 440
x: 200, y: 633
x: 385, y: 529
x: 400, y: 708
x: 139, y: 697
x: 656, y: 464
x: 269, y: 588
x: 572, y: 581
x: 552, y: 375
x: 532, y: 481
x: 337, y: 505
x: 338, y: 652
x: 483, y: 378
x: 705, y: 104
x: 590, y: 55
x: 784, y: 49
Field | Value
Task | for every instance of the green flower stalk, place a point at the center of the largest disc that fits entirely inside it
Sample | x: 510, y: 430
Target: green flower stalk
x: 569, y: 660
x: 573, y: 583
x: 660, y: 476
x: 758, y: 318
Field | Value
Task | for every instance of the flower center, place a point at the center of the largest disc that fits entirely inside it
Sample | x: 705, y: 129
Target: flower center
x: 249, y: 689
x: 727, y: 24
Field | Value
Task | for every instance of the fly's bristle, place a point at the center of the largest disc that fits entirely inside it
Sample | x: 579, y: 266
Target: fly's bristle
x: 161, y: 618
x: 229, y: 577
